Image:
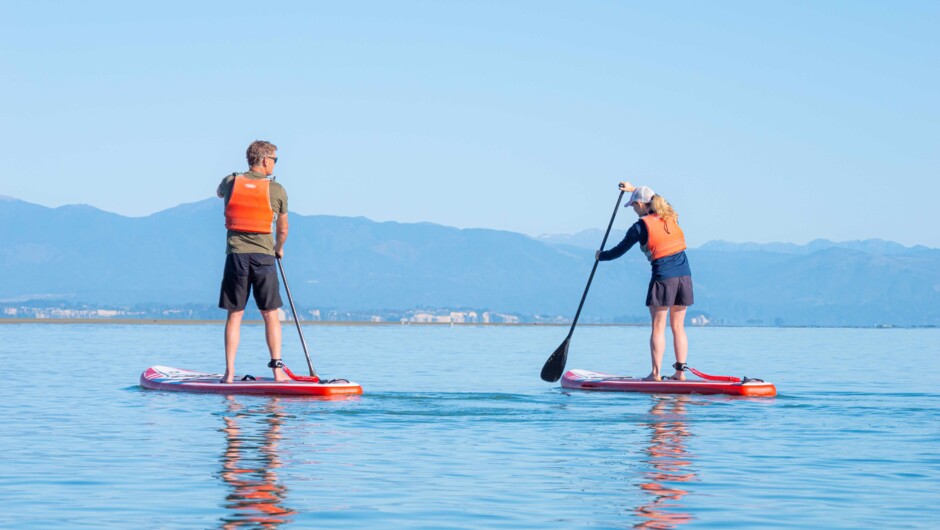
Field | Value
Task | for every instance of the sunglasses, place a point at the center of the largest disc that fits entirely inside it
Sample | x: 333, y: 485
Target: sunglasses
x: 272, y: 158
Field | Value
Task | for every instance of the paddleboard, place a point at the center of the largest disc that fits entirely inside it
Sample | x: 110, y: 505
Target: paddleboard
x: 588, y: 380
x: 179, y: 380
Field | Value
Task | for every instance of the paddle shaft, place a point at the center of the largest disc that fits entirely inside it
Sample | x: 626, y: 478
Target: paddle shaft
x: 555, y: 365
x: 593, y: 270
x: 300, y: 332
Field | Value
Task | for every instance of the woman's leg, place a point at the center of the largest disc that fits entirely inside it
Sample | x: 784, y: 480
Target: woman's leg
x: 679, y: 339
x: 657, y: 340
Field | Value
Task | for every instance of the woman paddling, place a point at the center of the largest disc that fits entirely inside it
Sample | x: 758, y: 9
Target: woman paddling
x: 670, y: 289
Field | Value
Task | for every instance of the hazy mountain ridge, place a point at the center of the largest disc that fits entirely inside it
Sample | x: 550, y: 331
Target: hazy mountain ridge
x: 591, y: 239
x: 175, y: 257
x: 869, y: 246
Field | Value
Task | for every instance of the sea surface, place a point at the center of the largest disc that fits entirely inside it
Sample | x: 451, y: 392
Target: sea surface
x: 456, y: 430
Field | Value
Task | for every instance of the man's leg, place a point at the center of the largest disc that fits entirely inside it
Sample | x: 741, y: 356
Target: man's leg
x: 272, y: 333
x: 233, y: 326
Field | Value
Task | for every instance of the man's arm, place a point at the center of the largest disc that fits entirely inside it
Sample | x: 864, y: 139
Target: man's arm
x: 280, y: 234
x: 224, y: 186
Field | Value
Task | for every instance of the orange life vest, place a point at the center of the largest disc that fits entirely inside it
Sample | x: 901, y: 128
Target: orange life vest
x: 665, y: 237
x: 249, y: 206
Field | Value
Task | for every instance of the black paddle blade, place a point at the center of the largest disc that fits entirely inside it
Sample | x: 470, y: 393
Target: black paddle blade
x: 555, y: 365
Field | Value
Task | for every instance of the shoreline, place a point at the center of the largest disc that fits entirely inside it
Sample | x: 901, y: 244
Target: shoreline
x: 221, y: 322
x: 181, y: 322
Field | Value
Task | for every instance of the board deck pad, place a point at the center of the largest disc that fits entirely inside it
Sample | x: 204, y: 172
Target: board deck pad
x: 598, y: 381
x: 180, y: 380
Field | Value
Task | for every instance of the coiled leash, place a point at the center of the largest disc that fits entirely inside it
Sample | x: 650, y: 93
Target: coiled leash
x: 680, y: 367
x: 277, y: 363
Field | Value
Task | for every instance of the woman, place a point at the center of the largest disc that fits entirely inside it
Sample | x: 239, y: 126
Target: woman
x: 670, y: 289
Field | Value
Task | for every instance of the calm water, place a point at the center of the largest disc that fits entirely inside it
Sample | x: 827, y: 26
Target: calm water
x: 456, y: 430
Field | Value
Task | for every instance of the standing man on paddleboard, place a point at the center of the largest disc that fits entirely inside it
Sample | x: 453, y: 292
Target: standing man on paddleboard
x: 253, y: 202
x: 670, y: 288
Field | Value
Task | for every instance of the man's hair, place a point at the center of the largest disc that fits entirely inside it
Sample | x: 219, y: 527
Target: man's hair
x: 258, y: 150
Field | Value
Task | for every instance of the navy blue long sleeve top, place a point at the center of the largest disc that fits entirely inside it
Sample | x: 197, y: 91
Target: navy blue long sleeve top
x: 665, y: 267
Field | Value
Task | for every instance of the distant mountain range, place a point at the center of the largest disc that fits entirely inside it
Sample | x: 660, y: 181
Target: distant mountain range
x: 79, y: 254
x: 591, y: 239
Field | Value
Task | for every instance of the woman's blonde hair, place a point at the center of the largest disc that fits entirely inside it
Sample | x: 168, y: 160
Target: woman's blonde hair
x: 663, y: 209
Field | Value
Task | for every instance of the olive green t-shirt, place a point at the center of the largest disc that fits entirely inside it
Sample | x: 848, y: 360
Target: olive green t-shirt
x: 247, y: 242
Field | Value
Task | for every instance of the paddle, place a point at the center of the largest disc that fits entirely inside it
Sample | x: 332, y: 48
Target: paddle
x: 555, y: 365
x: 296, y: 320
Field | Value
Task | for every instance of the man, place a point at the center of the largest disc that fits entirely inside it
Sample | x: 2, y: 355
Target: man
x: 253, y: 201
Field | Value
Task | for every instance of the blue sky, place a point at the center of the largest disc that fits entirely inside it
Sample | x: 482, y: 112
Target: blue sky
x: 759, y: 121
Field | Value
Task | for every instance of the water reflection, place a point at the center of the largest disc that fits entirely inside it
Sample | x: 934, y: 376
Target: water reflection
x: 256, y: 498
x: 669, y: 463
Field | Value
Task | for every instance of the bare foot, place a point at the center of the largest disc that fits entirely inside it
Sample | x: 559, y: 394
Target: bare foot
x: 652, y: 377
x: 678, y: 376
x: 280, y: 376
x: 227, y: 378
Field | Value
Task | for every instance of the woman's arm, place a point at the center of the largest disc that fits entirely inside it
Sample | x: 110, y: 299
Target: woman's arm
x: 635, y: 234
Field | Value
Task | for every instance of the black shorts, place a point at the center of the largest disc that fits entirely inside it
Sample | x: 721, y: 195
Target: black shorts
x: 670, y: 291
x: 250, y: 272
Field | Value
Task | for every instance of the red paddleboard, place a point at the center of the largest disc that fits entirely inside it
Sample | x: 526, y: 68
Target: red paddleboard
x: 178, y: 380
x: 587, y: 380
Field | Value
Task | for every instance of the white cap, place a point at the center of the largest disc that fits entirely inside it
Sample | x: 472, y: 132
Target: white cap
x: 641, y: 194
